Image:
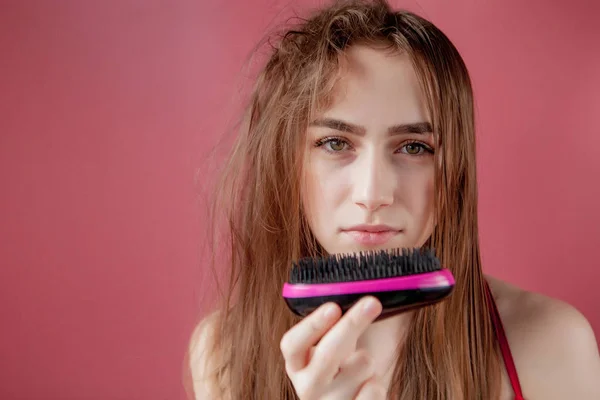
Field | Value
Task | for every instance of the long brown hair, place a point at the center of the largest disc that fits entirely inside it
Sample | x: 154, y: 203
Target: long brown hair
x: 450, y: 351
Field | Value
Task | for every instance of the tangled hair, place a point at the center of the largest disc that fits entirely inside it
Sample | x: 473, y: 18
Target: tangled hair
x: 450, y: 351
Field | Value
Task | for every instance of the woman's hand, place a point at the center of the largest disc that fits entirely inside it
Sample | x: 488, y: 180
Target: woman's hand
x: 321, y: 357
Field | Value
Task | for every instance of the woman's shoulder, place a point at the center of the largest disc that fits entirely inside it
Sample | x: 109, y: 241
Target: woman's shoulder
x: 203, y: 358
x: 553, y: 344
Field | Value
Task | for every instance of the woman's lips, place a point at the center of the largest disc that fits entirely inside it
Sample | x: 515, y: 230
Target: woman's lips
x: 371, y: 238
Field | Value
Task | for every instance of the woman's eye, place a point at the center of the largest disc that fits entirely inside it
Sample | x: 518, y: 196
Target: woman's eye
x: 336, y: 145
x: 333, y: 145
x: 416, y: 149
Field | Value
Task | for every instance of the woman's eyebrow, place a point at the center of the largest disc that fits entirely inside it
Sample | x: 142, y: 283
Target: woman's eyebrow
x: 342, y: 126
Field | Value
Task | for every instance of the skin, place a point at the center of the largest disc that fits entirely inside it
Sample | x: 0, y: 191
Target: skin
x: 371, y: 177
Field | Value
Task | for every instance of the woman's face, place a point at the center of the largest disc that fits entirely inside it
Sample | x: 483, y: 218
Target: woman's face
x: 369, y: 168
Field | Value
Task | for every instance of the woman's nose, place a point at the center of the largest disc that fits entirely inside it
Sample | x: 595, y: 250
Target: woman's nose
x: 373, y: 183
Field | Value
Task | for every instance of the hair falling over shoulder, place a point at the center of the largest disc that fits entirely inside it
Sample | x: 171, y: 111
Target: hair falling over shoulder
x: 450, y: 352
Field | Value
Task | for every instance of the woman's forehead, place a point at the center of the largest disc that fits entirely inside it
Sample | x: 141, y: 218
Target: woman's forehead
x: 375, y: 87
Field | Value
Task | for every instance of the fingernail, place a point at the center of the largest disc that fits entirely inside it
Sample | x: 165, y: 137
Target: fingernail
x: 370, y: 306
x: 329, y: 312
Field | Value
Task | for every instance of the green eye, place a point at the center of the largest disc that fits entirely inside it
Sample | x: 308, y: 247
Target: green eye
x: 413, y: 148
x: 336, y: 145
x: 416, y: 149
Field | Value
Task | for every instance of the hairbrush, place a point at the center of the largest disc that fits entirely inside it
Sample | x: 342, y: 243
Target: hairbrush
x: 402, y: 279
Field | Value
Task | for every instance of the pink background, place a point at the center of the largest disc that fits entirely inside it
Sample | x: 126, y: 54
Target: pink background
x: 109, y: 107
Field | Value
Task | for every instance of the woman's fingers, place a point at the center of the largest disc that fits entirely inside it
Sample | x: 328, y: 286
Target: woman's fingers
x: 341, y: 339
x: 372, y: 390
x: 320, y: 352
x: 355, y: 370
x: 298, y: 341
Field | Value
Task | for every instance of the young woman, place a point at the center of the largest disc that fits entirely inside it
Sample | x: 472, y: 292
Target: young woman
x: 360, y: 135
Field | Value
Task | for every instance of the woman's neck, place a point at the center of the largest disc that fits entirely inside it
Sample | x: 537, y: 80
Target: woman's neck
x: 383, y: 339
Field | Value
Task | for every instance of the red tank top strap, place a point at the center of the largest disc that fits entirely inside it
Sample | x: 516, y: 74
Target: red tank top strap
x: 504, y: 347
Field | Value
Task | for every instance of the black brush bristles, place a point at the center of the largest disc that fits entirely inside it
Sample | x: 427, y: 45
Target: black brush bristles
x: 364, y: 266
